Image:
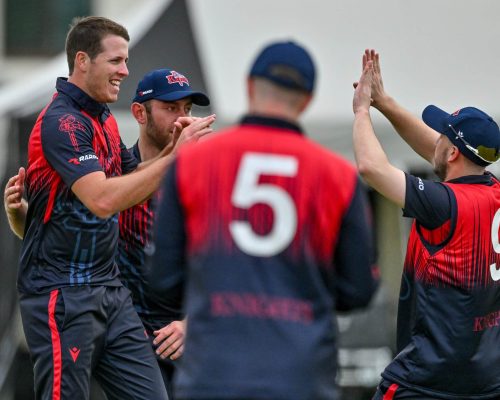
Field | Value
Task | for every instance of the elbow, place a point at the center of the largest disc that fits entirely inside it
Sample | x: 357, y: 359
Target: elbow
x: 101, y: 208
x: 367, y: 170
x: 356, y: 300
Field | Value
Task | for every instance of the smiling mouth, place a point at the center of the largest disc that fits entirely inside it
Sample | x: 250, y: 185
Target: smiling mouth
x: 115, y: 83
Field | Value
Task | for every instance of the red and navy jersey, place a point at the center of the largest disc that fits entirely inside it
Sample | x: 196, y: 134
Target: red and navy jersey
x: 449, y: 310
x: 267, y: 233
x: 64, y: 243
x: 135, y: 241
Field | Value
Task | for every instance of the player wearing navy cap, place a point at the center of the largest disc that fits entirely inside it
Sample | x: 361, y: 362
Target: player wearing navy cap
x: 449, y: 306
x: 267, y: 234
x: 162, y: 107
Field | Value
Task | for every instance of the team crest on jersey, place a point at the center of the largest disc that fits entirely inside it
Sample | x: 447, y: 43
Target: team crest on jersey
x: 175, y: 77
x: 69, y: 124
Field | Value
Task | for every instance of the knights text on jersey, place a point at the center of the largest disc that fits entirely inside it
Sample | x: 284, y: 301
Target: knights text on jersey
x: 450, y: 301
x: 64, y: 243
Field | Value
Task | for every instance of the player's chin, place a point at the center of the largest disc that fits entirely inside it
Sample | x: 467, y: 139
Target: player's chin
x: 111, y: 98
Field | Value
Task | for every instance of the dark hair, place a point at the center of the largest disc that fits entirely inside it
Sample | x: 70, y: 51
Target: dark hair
x: 86, y: 34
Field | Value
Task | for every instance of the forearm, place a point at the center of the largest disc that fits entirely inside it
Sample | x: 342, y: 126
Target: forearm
x: 107, y: 196
x: 421, y: 138
x: 372, y: 161
x: 369, y: 154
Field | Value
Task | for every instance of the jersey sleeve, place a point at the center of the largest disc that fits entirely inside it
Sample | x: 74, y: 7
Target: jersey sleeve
x: 168, y: 263
x: 129, y: 161
x: 356, y: 274
x: 429, y: 202
x: 67, y: 146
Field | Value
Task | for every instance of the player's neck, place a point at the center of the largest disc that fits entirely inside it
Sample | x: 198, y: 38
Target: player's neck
x: 147, y: 150
x: 274, y: 111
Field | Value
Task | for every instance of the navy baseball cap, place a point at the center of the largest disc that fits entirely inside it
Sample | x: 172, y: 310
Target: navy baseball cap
x: 473, y: 131
x: 167, y: 85
x: 286, y: 64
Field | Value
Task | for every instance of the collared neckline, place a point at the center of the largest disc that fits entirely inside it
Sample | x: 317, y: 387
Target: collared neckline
x: 87, y: 103
x: 271, y: 122
x: 485, y: 179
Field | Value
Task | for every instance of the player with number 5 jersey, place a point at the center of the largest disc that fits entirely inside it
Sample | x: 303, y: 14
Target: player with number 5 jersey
x: 266, y: 234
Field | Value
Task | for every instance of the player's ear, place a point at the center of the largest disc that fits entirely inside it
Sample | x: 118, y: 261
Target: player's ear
x: 305, y: 103
x: 139, y: 112
x: 82, y: 60
x: 250, y: 88
x: 453, y: 154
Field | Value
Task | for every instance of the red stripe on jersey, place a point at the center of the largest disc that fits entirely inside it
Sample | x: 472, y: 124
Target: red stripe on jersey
x: 56, y: 347
x: 52, y: 197
x: 106, y: 143
x: 40, y: 175
x: 465, y: 259
x: 389, y: 395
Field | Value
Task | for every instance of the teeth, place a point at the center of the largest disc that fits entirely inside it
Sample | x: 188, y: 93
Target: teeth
x: 115, y: 82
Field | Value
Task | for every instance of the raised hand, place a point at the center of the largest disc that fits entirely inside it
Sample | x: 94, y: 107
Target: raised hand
x: 378, y: 91
x: 190, y: 129
x: 362, y: 95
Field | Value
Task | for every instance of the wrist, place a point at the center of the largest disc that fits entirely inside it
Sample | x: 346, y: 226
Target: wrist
x: 383, y: 103
x: 361, y: 111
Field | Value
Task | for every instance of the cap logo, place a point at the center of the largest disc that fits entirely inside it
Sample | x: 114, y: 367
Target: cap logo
x: 145, y: 92
x: 175, y: 77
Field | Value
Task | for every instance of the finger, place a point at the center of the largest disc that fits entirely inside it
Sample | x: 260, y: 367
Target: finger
x: 22, y: 175
x: 178, y: 353
x: 12, y: 201
x: 197, y: 126
x: 202, y: 132
x: 376, y: 63
x: 168, y: 347
x: 185, y: 121
x: 12, y: 181
x: 177, y: 130
x: 13, y: 192
x: 12, y: 197
x: 204, y: 122
x: 161, y: 335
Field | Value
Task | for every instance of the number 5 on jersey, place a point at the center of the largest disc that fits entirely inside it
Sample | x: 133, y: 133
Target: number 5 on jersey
x: 248, y: 192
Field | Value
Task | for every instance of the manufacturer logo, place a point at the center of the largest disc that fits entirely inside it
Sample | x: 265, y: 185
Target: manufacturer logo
x: 87, y: 157
x: 420, y: 184
x: 175, y: 77
x: 74, y: 352
x: 145, y: 92
x: 74, y: 161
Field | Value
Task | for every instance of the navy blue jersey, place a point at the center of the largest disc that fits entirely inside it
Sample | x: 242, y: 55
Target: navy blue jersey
x: 64, y: 243
x: 267, y: 233
x: 449, y: 306
x: 135, y: 241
